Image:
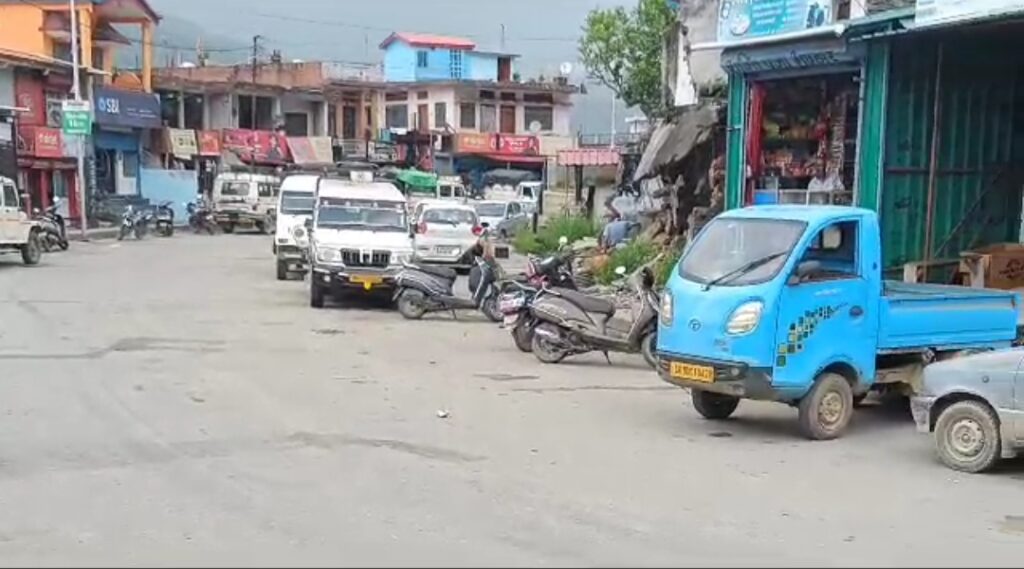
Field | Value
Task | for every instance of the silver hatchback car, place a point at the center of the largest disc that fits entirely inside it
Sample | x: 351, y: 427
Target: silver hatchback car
x: 974, y: 405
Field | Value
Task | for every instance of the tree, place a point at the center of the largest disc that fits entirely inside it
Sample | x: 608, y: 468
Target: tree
x: 623, y: 50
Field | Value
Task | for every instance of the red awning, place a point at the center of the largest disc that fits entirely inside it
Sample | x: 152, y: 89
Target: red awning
x: 515, y: 158
x: 589, y: 157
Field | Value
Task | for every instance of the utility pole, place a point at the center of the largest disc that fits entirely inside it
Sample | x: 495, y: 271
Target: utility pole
x: 76, y: 89
x: 255, y: 60
x: 611, y: 143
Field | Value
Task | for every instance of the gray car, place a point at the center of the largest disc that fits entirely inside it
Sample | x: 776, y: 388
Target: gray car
x: 974, y: 405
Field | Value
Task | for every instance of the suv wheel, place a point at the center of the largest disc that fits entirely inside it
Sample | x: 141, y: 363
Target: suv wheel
x: 282, y: 271
x: 316, y: 294
x: 31, y: 252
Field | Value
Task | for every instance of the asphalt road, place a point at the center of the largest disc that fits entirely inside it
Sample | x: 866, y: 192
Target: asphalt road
x: 169, y: 402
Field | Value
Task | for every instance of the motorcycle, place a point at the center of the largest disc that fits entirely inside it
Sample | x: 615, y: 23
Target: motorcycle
x: 54, y: 229
x: 200, y: 218
x: 165, y: 219
x: 571, y: 323
x: 424, y: 288
x: 514, y: 305
x: 133, y: 223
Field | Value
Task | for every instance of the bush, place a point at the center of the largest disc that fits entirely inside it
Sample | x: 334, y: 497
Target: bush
x: 632, y: 255
x: 666, y: 264
x: 545, y: 241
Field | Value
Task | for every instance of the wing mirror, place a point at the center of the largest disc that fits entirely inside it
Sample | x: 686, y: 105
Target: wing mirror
x: 308, y: 223
x: 484, y: 224
x: 803, y: 270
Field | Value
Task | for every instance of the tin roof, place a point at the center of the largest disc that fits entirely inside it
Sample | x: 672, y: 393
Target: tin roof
x: 427, y: 40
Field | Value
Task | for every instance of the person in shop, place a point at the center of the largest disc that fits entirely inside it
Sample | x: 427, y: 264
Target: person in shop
x: 822, y: 180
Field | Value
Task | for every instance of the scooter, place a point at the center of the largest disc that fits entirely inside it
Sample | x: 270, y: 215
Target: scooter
x: 425, y: 288
x: 54, y: 229
x: 514, y: 304
x: 200, y: 218
x: 133, y: 223
x: 571, y: 323
x: 165, y: 220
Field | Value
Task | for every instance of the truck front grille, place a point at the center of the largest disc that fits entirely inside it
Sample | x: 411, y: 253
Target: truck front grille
x: 356, y: 258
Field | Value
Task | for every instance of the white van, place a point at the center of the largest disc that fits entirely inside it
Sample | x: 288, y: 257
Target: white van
x: 451, y: 188
x: 359, y: 237
x: 245, y: 201
x: 291, y: 240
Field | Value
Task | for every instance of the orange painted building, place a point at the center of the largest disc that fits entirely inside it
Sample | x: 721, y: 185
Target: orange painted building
x: 43, y: 28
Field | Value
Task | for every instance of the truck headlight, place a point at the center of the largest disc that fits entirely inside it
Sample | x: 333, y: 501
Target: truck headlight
x: 667, y: 308
x: 745, y: 318
x: 298, y: 233
x: 332, y: 256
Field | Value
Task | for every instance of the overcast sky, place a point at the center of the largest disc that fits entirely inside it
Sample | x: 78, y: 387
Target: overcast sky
x: 544, y: 32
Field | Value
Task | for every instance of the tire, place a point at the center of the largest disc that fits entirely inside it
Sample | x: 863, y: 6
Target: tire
x: 412, y: 304
x: 170, y: 231
x: 967, y: 437
x: 229, y: 228
x: 139, y: 233
x: 316, y: 294
x: 45, y: 243
x: 489, y: 307
x: 64, y: 244
x: 522, y: 334
x: 825, y: 412
x: 649, y: 348
x: 31, y: 252
x: 282, y: 271
x: 122, y: 233
x: 714, y: 406
x: 542, y: 347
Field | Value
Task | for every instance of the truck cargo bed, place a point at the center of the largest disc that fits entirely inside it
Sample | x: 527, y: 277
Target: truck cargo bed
x: 920, y: 316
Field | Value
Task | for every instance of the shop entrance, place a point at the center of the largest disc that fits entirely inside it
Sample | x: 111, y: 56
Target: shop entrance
x: 802, y: 140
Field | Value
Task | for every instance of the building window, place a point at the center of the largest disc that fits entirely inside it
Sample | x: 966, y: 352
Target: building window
x: 440, y: 115
x: 508, y: 97
x: 396, y: 116
x: 421, y: 59
x: 487, y: 95
x: 262, y: 118
x: 423, y: 95
x: 396, y: 96
x: 545, y: 116
x: 488, y: 118
x: 194, y: 112
x: 467, y: 115
x: 543, y: 98
x: 456, y: 64
x: 296, y: 124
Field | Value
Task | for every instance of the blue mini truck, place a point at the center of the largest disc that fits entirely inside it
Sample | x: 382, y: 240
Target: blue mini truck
x: 788, y: 304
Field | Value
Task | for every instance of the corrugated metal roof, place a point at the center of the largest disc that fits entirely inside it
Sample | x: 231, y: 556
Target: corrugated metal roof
x: 428, y: 40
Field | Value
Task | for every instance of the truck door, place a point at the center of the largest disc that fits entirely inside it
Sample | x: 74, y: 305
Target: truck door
x: 8, y: 211
x: 827, y: 310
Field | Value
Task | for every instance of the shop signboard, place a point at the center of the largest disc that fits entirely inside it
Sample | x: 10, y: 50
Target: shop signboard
x: 258, y: 146
x: 40, y: 142
x: 182, y: 143
x: 782, y: 58
x: 740, y: 20
x: 311, y: 150
x: 8, y: 151
x: 468, y: 143
x: 518, y: 145
x: 936, y: 12
x: 209, y: 142
x: 76, y: 117
x: 28, y: 95
x: 132, y: 109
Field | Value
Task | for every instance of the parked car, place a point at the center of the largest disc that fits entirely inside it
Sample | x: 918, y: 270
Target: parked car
x: 446, y: 233
x: 974, y: 406
x: 18, y: 233
x: 503, y: 218
x: 245, y: 201
x: 291, y: 238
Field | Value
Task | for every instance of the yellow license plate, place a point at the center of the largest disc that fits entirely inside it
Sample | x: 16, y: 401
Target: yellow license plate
x: 368, y: 281
x: 703, y: 374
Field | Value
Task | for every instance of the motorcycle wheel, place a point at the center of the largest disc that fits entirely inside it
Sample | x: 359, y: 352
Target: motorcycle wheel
x: 139, y: 233
x: 64, y: 244
x: 45, y: 244
x: 412, y: 304
x: 522, y: 334
x: 649, y: 349
x: 489, y: 307
x: 546, y: 351
x: 122, y: 233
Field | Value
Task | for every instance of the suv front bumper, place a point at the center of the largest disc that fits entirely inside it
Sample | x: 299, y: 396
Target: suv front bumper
x: 355, y: 278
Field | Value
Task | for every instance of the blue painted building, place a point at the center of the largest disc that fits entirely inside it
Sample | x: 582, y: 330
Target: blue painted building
x: 421, y: 57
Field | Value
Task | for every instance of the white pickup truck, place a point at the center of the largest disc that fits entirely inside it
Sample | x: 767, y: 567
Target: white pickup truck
x: 18, y: 233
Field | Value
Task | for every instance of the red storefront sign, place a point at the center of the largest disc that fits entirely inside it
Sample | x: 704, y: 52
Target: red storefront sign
x: 29, y: 95
x: 473, y: 143
x: 258, y: 146
x: 209, y: 142
x: 40, y: 142
x: 518, y: 145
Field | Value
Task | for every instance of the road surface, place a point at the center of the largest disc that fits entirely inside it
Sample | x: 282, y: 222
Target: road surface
x: 169, y: 402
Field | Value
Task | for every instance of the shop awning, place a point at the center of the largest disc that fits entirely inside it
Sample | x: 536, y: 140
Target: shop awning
x: 310, y: 151
x: 672, y: 142
x: 589, y: 157
x: 417, y: 179
x: 515, y: 159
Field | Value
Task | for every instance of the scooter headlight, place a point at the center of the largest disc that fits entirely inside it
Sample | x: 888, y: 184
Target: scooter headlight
x: 745, y: 319
x: 667, y: 308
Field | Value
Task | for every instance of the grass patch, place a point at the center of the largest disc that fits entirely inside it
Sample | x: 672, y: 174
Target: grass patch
x: 633, y: 255
x: 545, y: 241
x: 666, y: 264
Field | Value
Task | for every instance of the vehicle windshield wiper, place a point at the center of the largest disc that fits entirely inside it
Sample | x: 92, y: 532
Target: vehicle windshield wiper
x: 744, y: 269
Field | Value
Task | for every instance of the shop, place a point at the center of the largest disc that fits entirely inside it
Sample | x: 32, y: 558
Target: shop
x: 123, y: 119
x: 46, y: 169
x: 475, y: 156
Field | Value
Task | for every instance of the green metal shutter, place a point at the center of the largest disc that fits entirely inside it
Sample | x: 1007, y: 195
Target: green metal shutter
x: 735, y: 166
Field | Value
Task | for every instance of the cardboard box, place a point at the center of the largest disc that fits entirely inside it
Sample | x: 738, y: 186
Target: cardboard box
x: 999, y: 266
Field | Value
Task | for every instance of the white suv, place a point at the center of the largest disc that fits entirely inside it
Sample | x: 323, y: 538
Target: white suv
x: 18, y: 233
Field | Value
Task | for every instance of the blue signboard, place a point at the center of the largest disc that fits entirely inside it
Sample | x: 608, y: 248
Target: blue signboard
x: 127, y: 108
x: 740, y: 20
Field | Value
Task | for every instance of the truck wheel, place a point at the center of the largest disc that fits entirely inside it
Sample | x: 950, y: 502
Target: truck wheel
x: 412, y: 304
x: 967, y: 437
x: 282, y: 271
x: 316, y: 294
x: 31, y: 252
x: 825, y: 411
x: 714, y: 406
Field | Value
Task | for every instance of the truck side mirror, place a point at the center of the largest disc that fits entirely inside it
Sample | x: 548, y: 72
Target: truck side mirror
x: 308, y: 223
x: 803, y: 270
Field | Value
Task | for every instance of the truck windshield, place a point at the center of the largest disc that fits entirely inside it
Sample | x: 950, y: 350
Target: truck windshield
x: 361, y: 214
x: 296, y: 203
x: 727, y: 246
x: 235, y: 189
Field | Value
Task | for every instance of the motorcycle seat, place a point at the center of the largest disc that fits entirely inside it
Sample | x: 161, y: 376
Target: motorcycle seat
x: 586, y: 302
x: 443, y: 272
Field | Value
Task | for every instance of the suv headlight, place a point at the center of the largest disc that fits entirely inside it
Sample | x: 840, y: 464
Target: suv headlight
x: 745, y: 319
x: 667, y: 308
x: 330, y: 256
x: 300, y: 236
